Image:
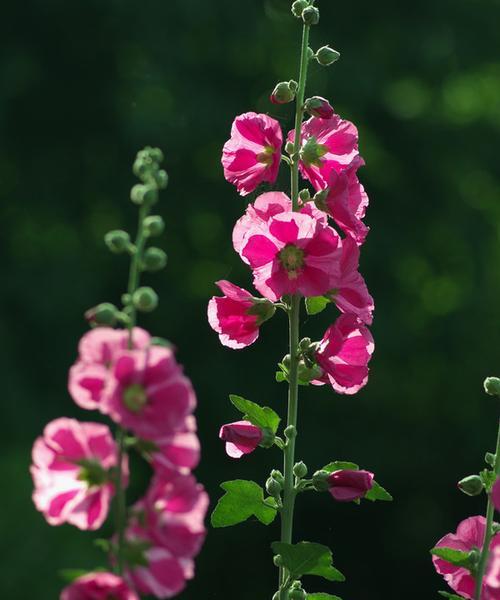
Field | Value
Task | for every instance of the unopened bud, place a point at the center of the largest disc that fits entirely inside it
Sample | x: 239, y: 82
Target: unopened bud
x: 278, y: 476
x: 490, y: 459
x: 117, y: 241
x: 297, y: 594
x: 102, y: 314
x: 278, y: 560
x: 305, y: 195
x: 282, y: 93
x: 320, y: 481
x: 289, y: 147
x: 298, y: 6
x: 327, y: 56
x: 300, y: 469
x: 319, y: 107
x: 492, y: 386
x: 273, y: 488
x: 161, y: 178
x: 290, y: 432
x: 320, y: 198
x: 154, y: 225
x: 471, y: 485
x: 155, y: 259
x: 310, y: 15
x: 145, y: 299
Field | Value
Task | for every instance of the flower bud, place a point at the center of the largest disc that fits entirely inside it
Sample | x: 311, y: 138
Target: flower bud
x: 320, y: 198
x: 273, y: 488
x: 145, y: 299
x: 300, y: 470
x: 282, y: 93
x: 154, y: 225
x: 327, y: 56
x: 319, y: 107
x: 154, y: 259
x: 320, y: 481
x: 298, y: 6
x: 471, y: 485
x: 305, y: 195
x: 490, y: 458
x: 161, y: 178
x: 144, y: 194
x: 277, y: 594
x: 308, y: 373
x: 297, y: 594
x: 346, y: 485
x: 289, y: 147
x: 310, y: 15
x: 278, y: 560
x: 117, y: 241
x: 290, y: 432
x: 278, y: 476
x: 102, y: 314
x: 492, y: 386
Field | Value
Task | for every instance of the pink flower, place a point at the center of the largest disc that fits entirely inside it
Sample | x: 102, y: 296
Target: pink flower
x: 295, y: 253
x: 257, y: 215
x: 346, y: 485
x: 98, y: 586
x: 327, y: 145
x: 351, y: 294
x: 148, y: 393
x: 492, y: 575
x: 237, y: 316
x: 469, y: 535
x: 71, y: 464
x: 344, y: 353
x: 241, y: 437
x: 347, y: 200
x: 177, y: 452
x: 253, y: 153
x: 319, y: 107
x: 97, y: 352
x: 495, y: 494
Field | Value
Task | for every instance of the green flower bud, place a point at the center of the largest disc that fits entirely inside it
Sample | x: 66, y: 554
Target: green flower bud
x: 278, y: 476
x: 310, y: 53
x: 289, y: 147
x: 154, y: 225
x: 145, y: 299
x: 278, y: 560
x: 310, y: 15
x: 471, y: 485
x: 319, y: 480
x: 161, y: 178
x: 298, y: 6
x: 300, y: 470
x: 155, y: 259
x: 102, y: 314
x: 490, y: 459
x: 290, y: 432
x: 305, y: 195
x: 492, y: 386
x: 297, y: 594
x: 273, y: 488
x: 282, y: 93
x: 320, y: 197
x: 326, y: 56
x: 308, y: 373
x: 277, y: 594
x: 144, y: 194
x: 117, y: 241
x: 126, y: 299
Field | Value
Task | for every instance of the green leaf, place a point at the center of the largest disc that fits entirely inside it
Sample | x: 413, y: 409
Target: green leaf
x: 69, y: 575
x: 242, y: 500
x: 451, y: 596
x: 378, y: 493
x: 307, y: 558
x: 261, y: 416
x: 455, y: 557
x: 316, y: 304
x: 321, y: 596
x: 280, y: 376
x: 339, y: 465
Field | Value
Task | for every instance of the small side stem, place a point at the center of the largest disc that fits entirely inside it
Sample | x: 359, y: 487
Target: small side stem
x: 490, y: 510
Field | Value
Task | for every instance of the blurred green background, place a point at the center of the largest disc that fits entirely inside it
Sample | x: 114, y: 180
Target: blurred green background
x: 83, y: 85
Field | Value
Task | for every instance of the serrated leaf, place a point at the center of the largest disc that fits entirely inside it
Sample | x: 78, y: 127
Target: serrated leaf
x: 261, y: 416
x: 242, y: 500
x: 378, y: 493
x: 455, y: 557
x: 339, y: 465
x: 450, y: 596
x: 316, y: 304
x: 322, y: 596
x: 307, y: 558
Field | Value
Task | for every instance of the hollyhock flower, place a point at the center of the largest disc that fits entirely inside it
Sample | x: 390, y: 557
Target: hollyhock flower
x: 326, y: 145
x: 347, y: 484
x: 344, y: 353
x: 346, y: 201
x: 296, y: 253
x: 351, y: 294
x: 253, y: 153
x: 469, y: 535
x: 319, y: 107
x: 492, y: 574
x: 70, y: 470
x: 241, y: 437
x: 178, y: 452
x: 98, y: 586
x: 148, y: 393
x: 97, y: 352
x: 237, y: 316
x: 257, y: 215
x: 495, y: 494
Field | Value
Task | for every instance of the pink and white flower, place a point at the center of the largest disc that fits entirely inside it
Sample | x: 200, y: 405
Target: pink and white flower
x: 326, y: 145
x: 241, y: 437
x: 469, y: 535
x: 237, y: 316
x: 148, y: 393
x: 178, y: 452
x: 344, y: 354
x: 98, y: 586
x: 71, y: 473
x: 97, y: 352
x: 346, y: 485
x: 253, y: 153
x: 295, y: 253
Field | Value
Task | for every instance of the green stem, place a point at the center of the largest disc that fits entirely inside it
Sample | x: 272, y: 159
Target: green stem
x: 293, y: 321
x: 133, y: 284
x: 483, y: 559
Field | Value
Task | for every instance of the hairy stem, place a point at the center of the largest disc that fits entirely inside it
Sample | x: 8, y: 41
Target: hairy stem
x: 488, y: 534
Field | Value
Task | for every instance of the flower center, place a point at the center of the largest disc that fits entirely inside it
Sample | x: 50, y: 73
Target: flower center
x: 292, y: 259
x: 312, y: 152
x: 266, y: 156
x: 135, y: 397
x: 92, y: 473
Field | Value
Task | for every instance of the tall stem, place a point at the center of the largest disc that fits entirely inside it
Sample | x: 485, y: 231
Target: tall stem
x: 133, y: 283
x: 488, y: 534
x: 293, y: 323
